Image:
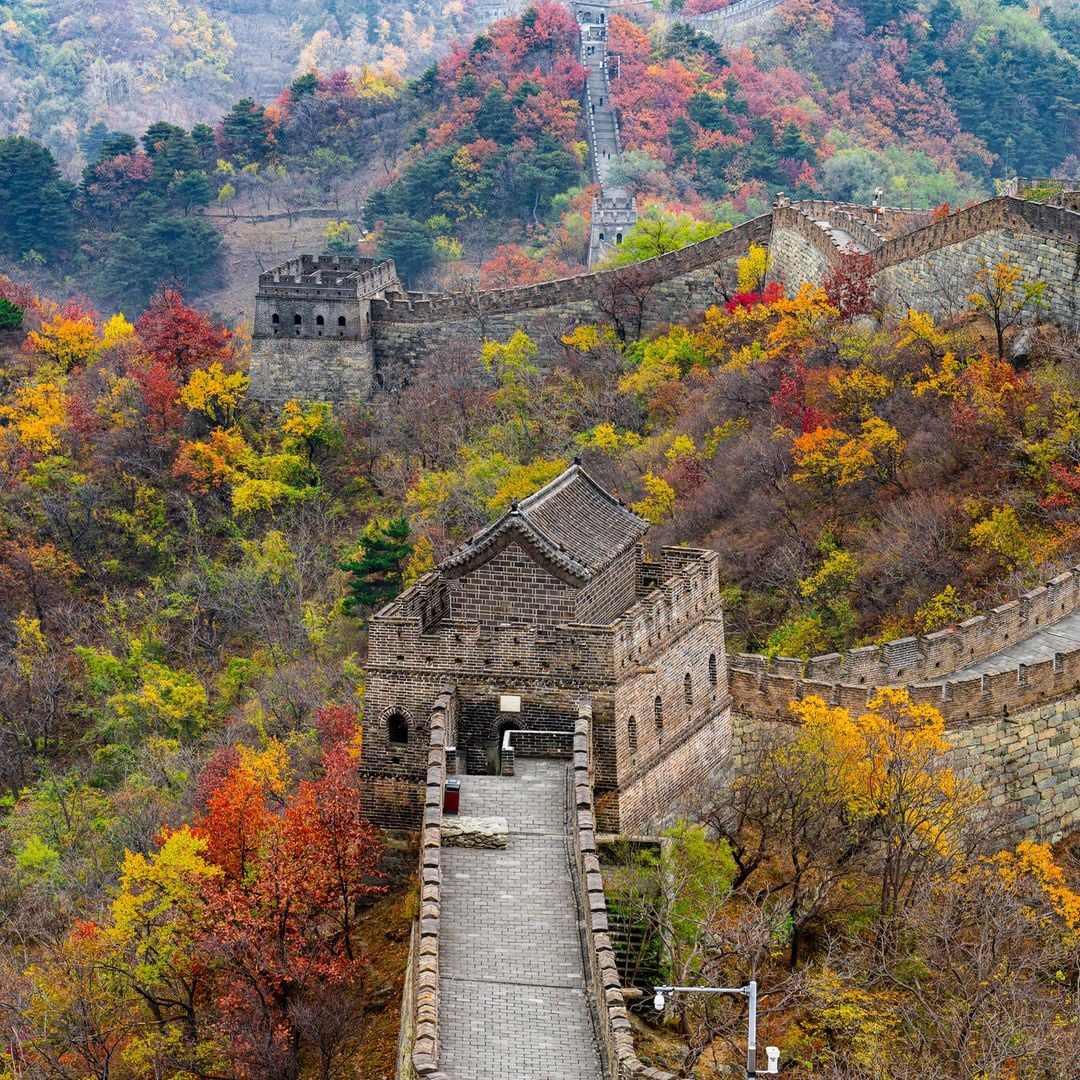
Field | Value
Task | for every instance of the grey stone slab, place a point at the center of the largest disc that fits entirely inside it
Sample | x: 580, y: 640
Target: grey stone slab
x: 512, y: 996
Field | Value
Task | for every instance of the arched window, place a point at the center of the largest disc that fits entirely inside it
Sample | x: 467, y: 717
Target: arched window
x: 601, y: 236
x: 341, y: 321
x: 631, y: 734
x: 618, y: 238
x: 658, y: 717
x: 319, y: 320
x: 397, y: 729
x: 712, y: 669
x: 275, y: 318
x: 298, y: 319
x: 688, y: 689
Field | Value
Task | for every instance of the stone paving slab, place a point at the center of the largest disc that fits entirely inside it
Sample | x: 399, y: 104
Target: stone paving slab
x: 512, y: 1003
x: 1058, y: 637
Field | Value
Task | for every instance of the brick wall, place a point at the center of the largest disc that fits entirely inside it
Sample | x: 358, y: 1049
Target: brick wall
x: 658, y: 762
x: 800, y: 250
x: 668, y: 288
x: 311, y: 368
x: 512, y: 587
x: 1026, y: 760
x: 608, y: 595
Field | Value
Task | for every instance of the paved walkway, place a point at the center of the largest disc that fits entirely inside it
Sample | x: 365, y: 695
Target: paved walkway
x: 1058, y: 637
x: 846, y: 241
x: 605, y: 148
x: 512, y: 1002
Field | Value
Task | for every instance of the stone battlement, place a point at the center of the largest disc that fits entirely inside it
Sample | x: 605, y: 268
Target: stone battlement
x: 762, y: 687
x: 329, y: 277
x: 581, y: 287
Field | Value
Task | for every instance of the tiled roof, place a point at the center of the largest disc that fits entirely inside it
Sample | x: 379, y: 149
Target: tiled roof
x: 572, y: 524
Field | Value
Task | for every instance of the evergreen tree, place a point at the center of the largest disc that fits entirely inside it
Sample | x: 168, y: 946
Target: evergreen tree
x: 495, y: 120
x: 35, y: 201
x: 244, y: 130
x: 11, y: 315
x: 410, y: 243
x: 376, y: 572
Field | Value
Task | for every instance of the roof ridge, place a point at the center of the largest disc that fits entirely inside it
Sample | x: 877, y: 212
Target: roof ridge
x: 564, y: 478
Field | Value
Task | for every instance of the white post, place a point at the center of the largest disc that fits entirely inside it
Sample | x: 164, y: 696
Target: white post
x: 751, y: 1034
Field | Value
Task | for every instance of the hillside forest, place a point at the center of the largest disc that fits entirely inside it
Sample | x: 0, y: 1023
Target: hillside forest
x: 187, y: 888
x: 184, y: 587
x: 474, y: 171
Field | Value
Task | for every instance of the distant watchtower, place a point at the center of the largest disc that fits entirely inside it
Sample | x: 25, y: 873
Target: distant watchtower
x: 312, y: 333
x: 613, y: 216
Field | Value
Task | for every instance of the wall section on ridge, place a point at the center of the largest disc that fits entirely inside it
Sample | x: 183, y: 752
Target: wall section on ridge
x: 640, y: 297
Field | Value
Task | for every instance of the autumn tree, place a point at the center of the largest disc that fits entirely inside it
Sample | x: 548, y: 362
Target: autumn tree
x: 1003, y: 297
x: 849, y: 285
x: 280, y: 921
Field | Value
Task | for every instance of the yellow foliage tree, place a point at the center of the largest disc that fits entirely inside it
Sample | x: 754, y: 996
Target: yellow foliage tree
x: 1002, y: 295
x: 65, y: 341
x: 830, y: 459
x: 888, y: 763
x: 659, y: 502
x: 35, y: 418
x: 752, y: 269
x: 215, y: 393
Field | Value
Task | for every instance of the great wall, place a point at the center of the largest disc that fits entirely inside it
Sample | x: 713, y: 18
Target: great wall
x: 388, y: 334
x: 576, y: 689
x: 549, y: 659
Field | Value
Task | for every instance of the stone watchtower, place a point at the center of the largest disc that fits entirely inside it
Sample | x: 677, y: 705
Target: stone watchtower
x: 613, y: 216
x: 312, y: 332
x: 552, y: 605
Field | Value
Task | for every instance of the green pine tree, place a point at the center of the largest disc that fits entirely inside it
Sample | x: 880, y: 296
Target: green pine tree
x: 376, y: 572
x: 11, y: 315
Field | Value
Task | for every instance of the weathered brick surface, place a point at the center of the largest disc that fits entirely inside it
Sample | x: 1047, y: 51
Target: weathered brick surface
x: 1026, y: 761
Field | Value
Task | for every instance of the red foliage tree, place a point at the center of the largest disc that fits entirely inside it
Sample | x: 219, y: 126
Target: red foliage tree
x: 280, y: 924
x: 849, y: 287
x: 181, y: 338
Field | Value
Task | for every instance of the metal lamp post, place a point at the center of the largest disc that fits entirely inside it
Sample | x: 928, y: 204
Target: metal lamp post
x: 748, y: 991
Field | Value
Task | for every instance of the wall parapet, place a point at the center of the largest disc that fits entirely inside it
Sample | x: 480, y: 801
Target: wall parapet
x: 790, y: 217
x: 425, y: 1053
x: 577, y: 289
x: 884, y: 220
x: 1003, y: 212
x: 932, y: 656
x: 763, y: 687
x: 616, y: 1038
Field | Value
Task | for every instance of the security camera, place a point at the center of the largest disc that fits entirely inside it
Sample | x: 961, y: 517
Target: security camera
x: 773, y: 1054
x: 658, y: 1002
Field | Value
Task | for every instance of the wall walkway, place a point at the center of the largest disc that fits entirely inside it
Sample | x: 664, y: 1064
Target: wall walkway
x: 512, y: 991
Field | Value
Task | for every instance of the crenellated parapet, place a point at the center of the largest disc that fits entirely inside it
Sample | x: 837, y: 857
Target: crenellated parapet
x: 926, y: 665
